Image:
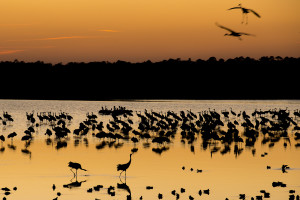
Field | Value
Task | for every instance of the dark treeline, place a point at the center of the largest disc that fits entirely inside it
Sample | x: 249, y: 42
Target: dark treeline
x: 239, y: 78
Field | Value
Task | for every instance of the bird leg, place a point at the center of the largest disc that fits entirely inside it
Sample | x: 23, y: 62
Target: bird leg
x: 72, y: 172
x: 246, y: 19
x: 242, y: 18
x: 121, y: 173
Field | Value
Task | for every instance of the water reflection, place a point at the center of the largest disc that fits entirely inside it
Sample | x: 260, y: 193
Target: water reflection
x: 74, y: 184
x: 116, y: 129
x: 124, y: 186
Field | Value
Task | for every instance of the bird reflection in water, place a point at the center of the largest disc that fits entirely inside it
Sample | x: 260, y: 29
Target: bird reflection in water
x: 124, y: 186
x: 26, y: 152
x: 61, y: 144
x: 74, y: 184
x: 12, y: 147
x: 49, y: 141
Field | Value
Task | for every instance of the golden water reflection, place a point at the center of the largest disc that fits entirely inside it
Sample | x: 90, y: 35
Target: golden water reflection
x: 34, y: 168
x: 225, y: 175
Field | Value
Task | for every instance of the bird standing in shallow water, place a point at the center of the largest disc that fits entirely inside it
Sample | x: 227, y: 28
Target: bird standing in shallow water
x: 75, y: 166
x: 124, y: 167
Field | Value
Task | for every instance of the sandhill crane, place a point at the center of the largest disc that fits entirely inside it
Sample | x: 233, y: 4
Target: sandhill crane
x: 76, y: 166
x: 124, y: 167
x: 245, y: 12
x: 233, y: 33
x: 12, y: 135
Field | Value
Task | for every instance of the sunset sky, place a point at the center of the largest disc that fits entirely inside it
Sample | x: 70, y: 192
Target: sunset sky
x: 138, y: 30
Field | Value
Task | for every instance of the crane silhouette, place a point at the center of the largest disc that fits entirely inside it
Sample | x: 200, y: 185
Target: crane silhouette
x: 124, y: 167
x: 245, y: 12
x: 233, y: 33
x: 76, y: 166
x: 12, y: 135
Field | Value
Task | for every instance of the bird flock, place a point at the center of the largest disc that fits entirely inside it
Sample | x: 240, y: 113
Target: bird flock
x: 217, y: 132
x: 245, y: 12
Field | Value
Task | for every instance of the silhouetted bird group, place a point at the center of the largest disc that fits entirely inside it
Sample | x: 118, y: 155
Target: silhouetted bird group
x: 217, y: 132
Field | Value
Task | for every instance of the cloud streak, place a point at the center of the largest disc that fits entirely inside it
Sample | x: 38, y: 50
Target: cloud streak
x: 64, y: 37
x: 52, y: 38
x: 5, y: 52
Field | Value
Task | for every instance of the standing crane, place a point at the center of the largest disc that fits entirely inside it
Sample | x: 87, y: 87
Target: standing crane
x: 76, y: 166
x: 124, y: 167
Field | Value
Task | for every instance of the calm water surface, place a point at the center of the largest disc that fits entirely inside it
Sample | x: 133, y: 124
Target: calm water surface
x: 33, y: 169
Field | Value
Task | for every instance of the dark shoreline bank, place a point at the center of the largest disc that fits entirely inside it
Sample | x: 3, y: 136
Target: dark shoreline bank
x: 236, y: 79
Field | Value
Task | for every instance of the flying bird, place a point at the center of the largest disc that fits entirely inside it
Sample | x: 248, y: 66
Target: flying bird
x: 245, y: 12
x: 233, y: 33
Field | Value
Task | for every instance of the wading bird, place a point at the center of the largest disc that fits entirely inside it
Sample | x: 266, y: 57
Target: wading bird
x: 2, y: 138
x: 75, y: 166
x: 233, y: 33
x: 124, y: 167
x: 12, y: 135
x: 245, y: 12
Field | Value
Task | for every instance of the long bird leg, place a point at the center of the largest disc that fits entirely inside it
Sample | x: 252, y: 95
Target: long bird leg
x: 73, y: 172
x: 246, y: 19
x: 121, y: 173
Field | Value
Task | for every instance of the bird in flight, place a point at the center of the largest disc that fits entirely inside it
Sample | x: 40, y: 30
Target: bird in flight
x: 233, y: 33
x: 245, y: 12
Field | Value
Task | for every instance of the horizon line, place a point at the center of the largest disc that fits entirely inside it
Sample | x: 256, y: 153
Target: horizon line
x: 213, y: 58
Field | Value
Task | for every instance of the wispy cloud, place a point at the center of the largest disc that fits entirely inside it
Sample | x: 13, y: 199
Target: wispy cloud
x: 58, y: 38
x: 5, y: 52
x: 108, y: 30
x: 64, y: 37
x: 51, y: 38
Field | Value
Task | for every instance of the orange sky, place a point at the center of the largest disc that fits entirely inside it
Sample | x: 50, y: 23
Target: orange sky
x: 134, y: 30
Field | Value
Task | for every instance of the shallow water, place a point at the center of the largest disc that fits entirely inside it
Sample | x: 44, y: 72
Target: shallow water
x: 35, y: 171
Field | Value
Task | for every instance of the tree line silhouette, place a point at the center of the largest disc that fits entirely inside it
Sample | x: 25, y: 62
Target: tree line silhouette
x: 238, y: 78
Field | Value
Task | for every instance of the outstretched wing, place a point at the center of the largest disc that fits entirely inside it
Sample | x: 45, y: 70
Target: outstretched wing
x: 237, y: 7
x: 255, y: 13
x: 223, y: 27
x: 248, y: 34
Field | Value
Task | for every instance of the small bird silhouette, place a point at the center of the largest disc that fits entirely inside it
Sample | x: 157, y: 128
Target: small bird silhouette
x: 245, y: 12
x: 76, y: 166
x: 124, y: 167
x: 12, y: 135
x: 234, y: 33
x: 2, y: 138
